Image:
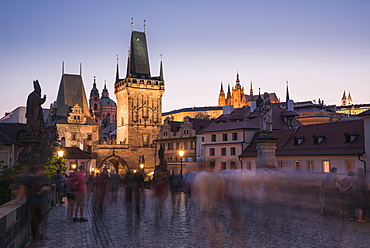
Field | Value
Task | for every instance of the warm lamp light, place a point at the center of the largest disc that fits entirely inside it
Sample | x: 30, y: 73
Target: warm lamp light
x: 141, y: 166
x: 60, y: 153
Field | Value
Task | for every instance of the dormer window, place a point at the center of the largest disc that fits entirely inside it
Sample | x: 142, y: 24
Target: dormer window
x: 317, y: 139
x: 350, y: 137
x: 298, y: 140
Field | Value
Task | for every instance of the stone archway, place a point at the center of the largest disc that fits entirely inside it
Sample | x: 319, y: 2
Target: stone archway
x: 116, y: 163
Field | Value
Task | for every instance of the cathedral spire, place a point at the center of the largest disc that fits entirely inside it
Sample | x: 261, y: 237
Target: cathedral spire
x: 117, y: 71
x: 344, y: 99
x: 237, y: 78
x: 287, y: 92
x: 222, y: 88
x: 251, y: 90
x: 161, y: 77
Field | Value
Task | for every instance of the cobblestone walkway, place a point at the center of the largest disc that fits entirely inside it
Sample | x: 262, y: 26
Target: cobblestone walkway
x: 181, y: 225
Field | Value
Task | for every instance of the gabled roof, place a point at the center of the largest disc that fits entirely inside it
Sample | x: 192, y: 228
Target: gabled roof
x: 333, y: 143
x: 71, y: 92
x: 10, y: 132
x: 75, y: 153
x: 242, y: 118
x: 198, y: 124
x: 138, y: 62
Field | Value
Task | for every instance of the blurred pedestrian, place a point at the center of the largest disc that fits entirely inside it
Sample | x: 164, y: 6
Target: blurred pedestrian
x: 360, y: 190
x: 329, y: 192
x: 209, y: 188
x: 59, y: 186
x: 346, y: 195
x: 138, y: 190
x: 160, y: 187
x: 129, y: 184
x: 30, y: 186
x: 114, y: 184
x: 71, y: 201
x: 99, y: 192
x: 79, y: 181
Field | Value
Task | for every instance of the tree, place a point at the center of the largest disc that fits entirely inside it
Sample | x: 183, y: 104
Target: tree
x: 53, y: 164
x: 202, y: 116
x: 7, y: 175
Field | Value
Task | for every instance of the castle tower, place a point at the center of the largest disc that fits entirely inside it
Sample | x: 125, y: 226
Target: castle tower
x: 139, y: 103
x: 344, y: 99
x: 221, y: 97
x: 229, y: 99
x: 238, y: 98
x: 349, y: 99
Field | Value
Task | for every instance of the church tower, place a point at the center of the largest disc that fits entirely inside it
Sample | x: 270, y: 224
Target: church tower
x: 238, y: 98
x: 221, y: 97
x: 94, y: 100
x: 139, y: 102
x: 344, y: 99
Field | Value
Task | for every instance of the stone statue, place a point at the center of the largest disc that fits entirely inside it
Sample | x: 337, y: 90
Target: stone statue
x: 38, y: 143
x: 266, y: 115
x: 34, y: 113
x: 161, y: 155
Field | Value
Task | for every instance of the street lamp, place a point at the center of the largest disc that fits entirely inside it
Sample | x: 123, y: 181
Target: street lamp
x: 74, y: 165
x: 181, y: 154
x: 141, y: 165
x: 60, y: 153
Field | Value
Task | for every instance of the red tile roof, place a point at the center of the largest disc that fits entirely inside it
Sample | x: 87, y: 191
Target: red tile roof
x: 242, y: 118
x: 334, y: 142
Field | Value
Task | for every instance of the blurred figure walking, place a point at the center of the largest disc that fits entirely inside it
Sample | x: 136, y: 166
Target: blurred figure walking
x: 209, y: 188
x: 160, y: 187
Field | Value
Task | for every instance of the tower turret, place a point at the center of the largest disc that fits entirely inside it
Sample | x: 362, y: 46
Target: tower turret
x: 221, y: 97
x: 344, y: 99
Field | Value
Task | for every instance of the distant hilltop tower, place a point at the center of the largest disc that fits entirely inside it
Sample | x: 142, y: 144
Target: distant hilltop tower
x: 237, y: 97
x: 346, y: 100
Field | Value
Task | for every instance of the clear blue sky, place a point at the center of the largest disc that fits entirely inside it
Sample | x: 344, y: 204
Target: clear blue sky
x: 321, y: 47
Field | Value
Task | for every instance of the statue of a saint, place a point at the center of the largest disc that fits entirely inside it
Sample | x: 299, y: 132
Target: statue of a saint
x: 34, y: 113
x: 161, y: 155
x: 266, y: 115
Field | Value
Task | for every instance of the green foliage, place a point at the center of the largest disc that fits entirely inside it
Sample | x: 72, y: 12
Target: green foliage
x: 54, y: 163
x: 202, y: 115
x: 7, y: 175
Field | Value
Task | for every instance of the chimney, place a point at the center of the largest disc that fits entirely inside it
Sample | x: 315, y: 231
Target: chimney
x: 228, y: 109
x: 253, y: 106
x: 290, y: 105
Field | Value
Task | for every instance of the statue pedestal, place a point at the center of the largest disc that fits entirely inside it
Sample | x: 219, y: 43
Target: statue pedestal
x: 266, y: 146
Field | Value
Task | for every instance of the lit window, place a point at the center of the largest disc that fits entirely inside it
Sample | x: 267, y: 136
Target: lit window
x: 326, y: 166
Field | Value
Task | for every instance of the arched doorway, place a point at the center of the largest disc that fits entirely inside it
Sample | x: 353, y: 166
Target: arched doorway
x: 115, y: 164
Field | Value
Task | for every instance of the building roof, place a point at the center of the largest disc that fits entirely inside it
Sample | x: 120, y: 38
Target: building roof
x: 242, y: 118
x: 71, y: 92
x: 10, y: 132
x: 75, y: 153
x: 192, y: 109
x: 138, y: 64
x: 333, y: 135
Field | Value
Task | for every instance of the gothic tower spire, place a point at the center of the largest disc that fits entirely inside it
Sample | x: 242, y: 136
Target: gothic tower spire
x: 117, y: 71
x: 221, y: 97
x: 344, y: 99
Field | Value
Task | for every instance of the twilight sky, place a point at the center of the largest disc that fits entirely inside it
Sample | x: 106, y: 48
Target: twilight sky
x: 322, y: 47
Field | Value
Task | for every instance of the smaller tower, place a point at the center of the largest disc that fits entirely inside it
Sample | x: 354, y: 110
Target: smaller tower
x: 228, y: 96
x: 344, y: 99
x: 221, y: 97
x: 349, y: 99
x: 94, y: 100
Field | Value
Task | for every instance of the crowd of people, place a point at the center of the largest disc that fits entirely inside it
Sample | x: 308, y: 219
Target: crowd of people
x: 211, y: 191
x: 353, y: 194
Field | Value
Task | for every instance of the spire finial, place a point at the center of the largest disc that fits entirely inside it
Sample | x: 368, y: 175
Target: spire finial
x: 132, y: 24
x: 161, y: 57
x: 144, y: 26
x: 62, y: 67
x: 94, y: 80
x: 80, y: 69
